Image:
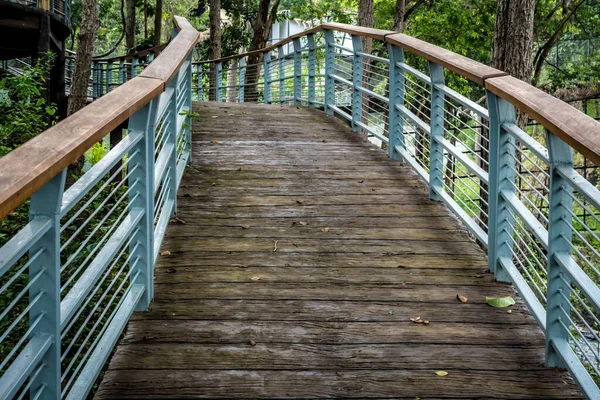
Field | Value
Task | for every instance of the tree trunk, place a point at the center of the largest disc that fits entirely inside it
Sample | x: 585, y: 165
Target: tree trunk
x: 365, y: 18
x: 130, y: 26
x: 262, y: 28
x: 399, y: 17
x: 90, y: 23
x: 158, y: 22
x: 214, y: 15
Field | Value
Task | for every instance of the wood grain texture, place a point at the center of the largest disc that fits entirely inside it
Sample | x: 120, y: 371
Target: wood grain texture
x: 577, y: 129
x: 294, y: 270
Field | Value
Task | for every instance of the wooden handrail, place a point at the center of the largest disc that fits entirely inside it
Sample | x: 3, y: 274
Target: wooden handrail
x: 139, y: 54
x: 26, y: 169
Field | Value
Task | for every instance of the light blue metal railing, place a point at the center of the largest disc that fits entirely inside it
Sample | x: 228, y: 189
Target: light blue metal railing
x: 515, y: 188
x: 72, y: 276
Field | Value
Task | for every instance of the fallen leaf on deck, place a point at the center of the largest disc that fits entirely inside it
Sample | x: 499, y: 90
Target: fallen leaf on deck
x: 509, y: 311
x: 462, y: 299
x: 252, y: 343
x: 426, y: 322
x: 299, y: 202
x: 441, y: 373
x: 415, y: 319
x: 255, y: 278
x: 214, y: 183
x: 215, y: 116
x: 360, y: 181
x: 177, y: 219
x: 275, y: 246
x: 303, y: 223
x: 391, y: 312
x: 500, y: 302
x: 171, y: 270
x: 165, y: 253
x: 325, y: 229
x: 245, y: 226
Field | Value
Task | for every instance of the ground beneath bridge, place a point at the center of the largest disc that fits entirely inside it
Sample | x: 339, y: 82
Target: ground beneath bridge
x: 300, y: 259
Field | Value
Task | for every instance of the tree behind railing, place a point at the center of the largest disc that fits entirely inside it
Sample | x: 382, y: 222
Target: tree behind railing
x: 70, y: 279
x: 518, y: 194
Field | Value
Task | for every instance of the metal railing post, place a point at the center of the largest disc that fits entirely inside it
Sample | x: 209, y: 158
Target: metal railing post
x: 396, y: 93
x: 560, y: 233
x: 142, y: 156
x: 297, y: 71
x: 45, y: 290
x: 501, y: 178
x: 199, y: 81
x: 109, y: 67
x: 267, y: 77
x: 312, y: 68
x: 219, y: 81
x: 122, y: 74
x: 329, y: 70
x: 242, y: 79
x: 357, y: 77
x: 95, y: 81
x: 280, y: 58
x: 436, y: 151
x: 134, y: 67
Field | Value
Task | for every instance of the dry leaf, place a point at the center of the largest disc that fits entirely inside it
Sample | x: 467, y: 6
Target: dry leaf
x: 325, y: 229
x: 360, y: 181
x: 426, y: 322
x: 415, y: 319
x: 299, y: 202
x: 339, y: 374
x: 303, y: 223
x: 215, y: 116
x: 177, y: 219
x: 214, y: 183
x: 255, y: 278
x: 275, y: 246
x: 441, y: 373
x: 462, y: 299
x: 509, y: 311
x: 165, y: 253
x: 245, y: 226
x: 252, y: 343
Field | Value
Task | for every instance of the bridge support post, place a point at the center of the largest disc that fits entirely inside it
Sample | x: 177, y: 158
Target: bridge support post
x: 329, y: 68
x: 357, y: 78
x: 436, y: 151
x: 142, y: 156
x: 109, y: 75
x: 280, y: 55
x: 267, y: 77
x: 396, y: 93
x: 44, y: 292
x: 312, y: 68
x: 297, y: 71
x: 558, y: 308
x: 501, y: 179
x: 199, y: 82
x: 242, y: 79
x: 219, y: 81
x: 134, y: 67
x: 95, y: 81
x: 122, y: 72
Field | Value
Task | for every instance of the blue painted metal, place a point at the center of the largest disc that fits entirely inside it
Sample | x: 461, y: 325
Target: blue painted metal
x: 122, y: 72
x: 280, y: 58
x: 242, y: 87
x: 436, y: 150
x: 329, y: 70
x: 312, y: 69
x: 199, y: 81
x: 396, y: 97
x: 501, y: 178
x: 559, y: 243
x: 219, y: 82
x: 45, y: 205
x: 134, y: 67
x: 267, y: 77
x: 297, y: 71
x: 357, y: 82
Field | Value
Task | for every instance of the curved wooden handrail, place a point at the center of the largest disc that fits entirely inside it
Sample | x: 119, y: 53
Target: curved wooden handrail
x: 577, y: 129
x: 26, y: 169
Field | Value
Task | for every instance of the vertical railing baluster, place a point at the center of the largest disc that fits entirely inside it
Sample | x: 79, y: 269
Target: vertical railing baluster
x: 142, y: 176
x: 122, y: 74
x: 267, y: 77
x: 357, y: 78
x: 95, y: 81
x: 396, y: 96
x: 189, y: 79
x: 134, y: 67
x: 171, y: 139
x: 312, y: 68
x: 242, y: 89
x: 280, y: 58
x: 329, y: 70
x: 297, y: 71
x: 199, y: 81
x: 46, y: 204
x: 558, y: 308
x: 218, y: 81
x: 436, y: 151
x: 109, y: 76
x: 501, y: 178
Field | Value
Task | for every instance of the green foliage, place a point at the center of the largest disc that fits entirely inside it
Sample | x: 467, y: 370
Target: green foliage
x: 24, y: 113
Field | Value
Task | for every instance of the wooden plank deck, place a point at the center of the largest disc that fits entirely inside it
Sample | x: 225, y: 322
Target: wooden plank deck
x: 304, y: 254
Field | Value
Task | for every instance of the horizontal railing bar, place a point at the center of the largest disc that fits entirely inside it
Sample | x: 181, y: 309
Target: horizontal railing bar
x: 103, y: 349
x: 372, y: 132
x: 161, y: 226
x: 372, y: 57
x: 340, y: 79
x: 407, y: 157
x: 463, y: 216
x: 533, y: 304
x: 161, y: 164
x: 22, y: 241
x: 536, y: 148
x: 576, y: 368
x: 407, y: 113
x: 467, y: 162
x: 471, y: 105
x: 85, y: 283
x: 581, y: 279
x: 83, y: 185
x: 163, y: 103
x: 181, y: 164
x: 340, y: 112
x: 588, y: 191
x: 339, y: 46
x: 372, y: 94
x: 535, y: 226
x: 16, y: 375
x: 414, y: 72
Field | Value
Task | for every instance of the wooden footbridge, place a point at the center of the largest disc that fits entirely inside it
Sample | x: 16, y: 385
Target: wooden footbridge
x: 304, y: 248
